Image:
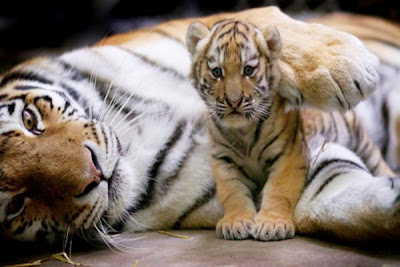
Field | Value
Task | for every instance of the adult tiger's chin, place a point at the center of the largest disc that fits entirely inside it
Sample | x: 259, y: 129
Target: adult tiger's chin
x: 122, y: 192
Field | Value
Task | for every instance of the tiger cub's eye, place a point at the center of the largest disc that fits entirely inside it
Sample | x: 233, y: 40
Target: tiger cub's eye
x: 29, y: 120
x: 248, y: 71
x: 217, y: 73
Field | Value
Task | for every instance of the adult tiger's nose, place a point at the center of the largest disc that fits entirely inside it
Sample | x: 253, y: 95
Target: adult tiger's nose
x: 94, y: 175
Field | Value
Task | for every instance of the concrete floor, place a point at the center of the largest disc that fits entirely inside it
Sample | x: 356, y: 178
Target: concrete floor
x: 203, y: 248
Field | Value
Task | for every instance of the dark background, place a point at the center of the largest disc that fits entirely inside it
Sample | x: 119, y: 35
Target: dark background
x: 34, y: 27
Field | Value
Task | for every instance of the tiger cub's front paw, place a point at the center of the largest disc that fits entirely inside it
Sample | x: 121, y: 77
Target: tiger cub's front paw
x: 268, y: 228
x: 235, y: 227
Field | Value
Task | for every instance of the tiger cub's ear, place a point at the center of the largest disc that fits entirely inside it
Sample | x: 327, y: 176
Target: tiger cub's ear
x: 273, y: 40
x: 195, y: 33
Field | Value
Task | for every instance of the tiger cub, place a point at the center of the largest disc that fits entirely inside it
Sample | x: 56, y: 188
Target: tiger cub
x: 258, y: 158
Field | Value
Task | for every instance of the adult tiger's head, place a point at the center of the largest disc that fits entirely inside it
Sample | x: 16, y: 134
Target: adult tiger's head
x: 57, y: 161
x: 235, y: 69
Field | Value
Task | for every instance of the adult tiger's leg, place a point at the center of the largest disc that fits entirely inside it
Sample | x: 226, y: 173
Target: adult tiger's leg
x: 343, y: 199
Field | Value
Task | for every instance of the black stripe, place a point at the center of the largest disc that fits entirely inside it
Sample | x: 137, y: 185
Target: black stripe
x: 296, y: 128
x: 104, y: 137
x: 231, y: 137
x: 9, y: 133
x: 226, y: 159
x: 362, y: 149
x: 66, y: 105
x: 20, y: 75
x: 344, y: 96
x: 242, y: 34
x: 72, y: 92
x: 18, y: 97
x: 44, y: 98
x: 183, y: 159
x: 270, y: 162
x: 272, y: 141
x: 146, y: 197
x: 374, y: 168
x: 229, y: 160
x: 11, y: 108
x: 325, y: 183
x: 72, y: 112
x: 175, y: 174
x: 221, y: 35
x: 154, y: 64
x: 200, y: 201
x: 256, y: 136
x: 340, y: 102
x: 75, y: 73
x: 26, y: 87
x: 301, y: 98
x: 244, y: 25
x: 359, y: 88
x: 228, y: 147
x: 243, y: 171
x: 385, y: 118
x: 326, y: 163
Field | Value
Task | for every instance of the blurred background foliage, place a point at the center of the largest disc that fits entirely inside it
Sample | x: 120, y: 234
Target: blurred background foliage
x: 35, y: 27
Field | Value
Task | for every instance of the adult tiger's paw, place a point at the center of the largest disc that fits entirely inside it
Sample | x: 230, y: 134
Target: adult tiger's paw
x: 272, y: 229
x: 235, y: 227
x: 334, y: 71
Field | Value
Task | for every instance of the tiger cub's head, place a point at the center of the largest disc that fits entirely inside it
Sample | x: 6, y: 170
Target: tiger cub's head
x: 235, y: 69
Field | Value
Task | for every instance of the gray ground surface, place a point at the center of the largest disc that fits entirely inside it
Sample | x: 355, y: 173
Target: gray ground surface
x: 203, y: 248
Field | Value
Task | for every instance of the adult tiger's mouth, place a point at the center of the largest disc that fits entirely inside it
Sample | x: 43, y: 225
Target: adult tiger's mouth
x: 113, y: 175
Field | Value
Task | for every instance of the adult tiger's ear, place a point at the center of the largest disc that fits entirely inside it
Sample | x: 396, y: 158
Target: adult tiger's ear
x: 273, y: 40
x: 196, y: 32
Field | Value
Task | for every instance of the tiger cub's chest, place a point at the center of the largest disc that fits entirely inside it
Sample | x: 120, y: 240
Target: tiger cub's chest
x: 252, y: 150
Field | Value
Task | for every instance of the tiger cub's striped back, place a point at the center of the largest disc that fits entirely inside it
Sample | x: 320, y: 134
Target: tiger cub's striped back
x: 235, y: 68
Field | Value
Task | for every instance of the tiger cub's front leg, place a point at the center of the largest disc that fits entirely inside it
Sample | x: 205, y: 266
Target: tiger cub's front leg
x: 236, y: 199
x: 274, y: 221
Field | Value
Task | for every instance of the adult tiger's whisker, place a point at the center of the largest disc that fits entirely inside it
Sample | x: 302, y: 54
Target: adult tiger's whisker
x: 106, y: 114
x: 105, y: 100
x: 129, y: 125
x: 65, y: 241
x: 121, y: 108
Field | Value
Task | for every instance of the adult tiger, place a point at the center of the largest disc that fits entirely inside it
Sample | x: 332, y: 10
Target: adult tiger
x: 71, y: 163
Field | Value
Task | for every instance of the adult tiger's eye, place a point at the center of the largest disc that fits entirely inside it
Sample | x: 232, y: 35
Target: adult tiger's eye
x: 248, y: 70
x: 15, y: 204
x: 29, y: 120
x: 217, y: 73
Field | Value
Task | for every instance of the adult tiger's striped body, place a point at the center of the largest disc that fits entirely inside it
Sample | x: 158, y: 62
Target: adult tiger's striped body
x: 152, y: 148
x: 258, y: 150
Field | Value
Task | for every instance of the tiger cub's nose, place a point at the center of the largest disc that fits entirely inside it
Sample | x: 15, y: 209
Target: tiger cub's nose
x: 234, y: 103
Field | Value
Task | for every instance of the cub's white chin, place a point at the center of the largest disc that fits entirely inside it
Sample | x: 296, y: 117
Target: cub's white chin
x: 235, y: 121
